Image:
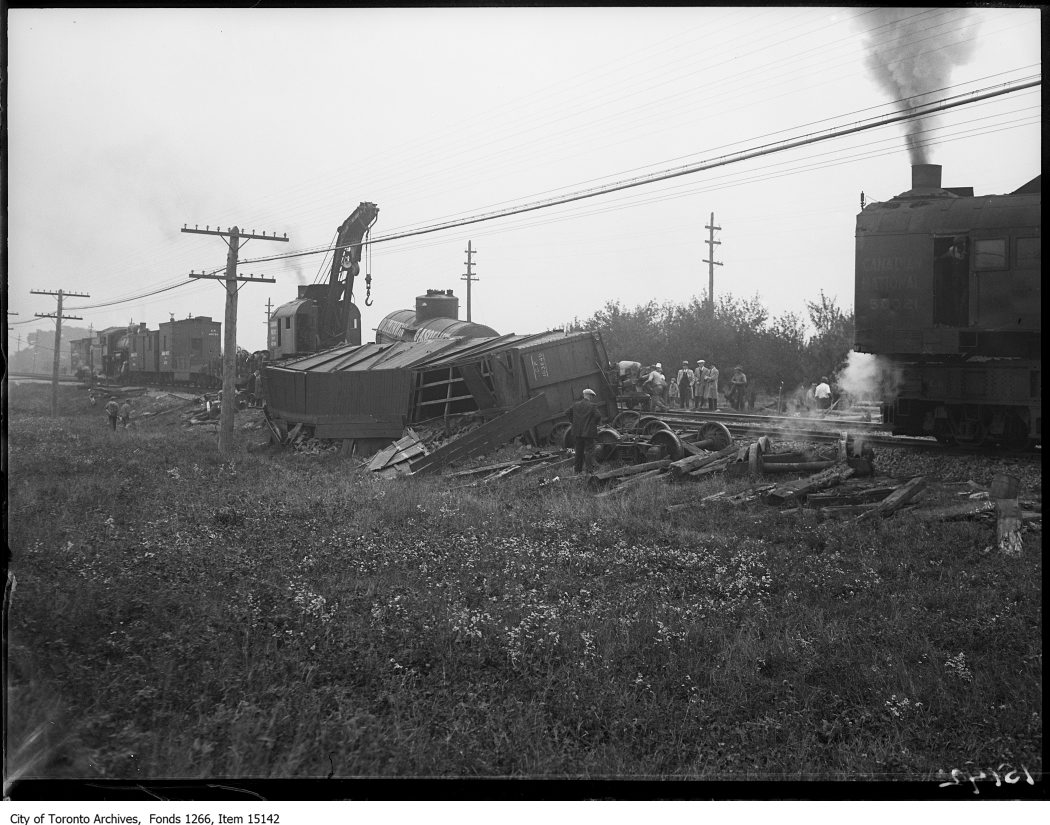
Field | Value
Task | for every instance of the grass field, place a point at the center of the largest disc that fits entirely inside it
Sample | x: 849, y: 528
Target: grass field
x: 288, y: 616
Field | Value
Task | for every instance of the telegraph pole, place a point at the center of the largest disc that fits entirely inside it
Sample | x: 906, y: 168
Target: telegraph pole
x: 269, y: 310
x: 234, y: 239
x: 469, y: 277
x: 711, y: 263
x: 58, y: 316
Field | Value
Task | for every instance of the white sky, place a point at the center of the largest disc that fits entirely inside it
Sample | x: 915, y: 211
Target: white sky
x: 124, y: 125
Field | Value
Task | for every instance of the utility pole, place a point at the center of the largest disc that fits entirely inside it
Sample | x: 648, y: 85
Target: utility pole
x: 269, y: 312
x: 711, y: 264
x: 58, y: 316
x: 469, y: 277
x: 234, y: 239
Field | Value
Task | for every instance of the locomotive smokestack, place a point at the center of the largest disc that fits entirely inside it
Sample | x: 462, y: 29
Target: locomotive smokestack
x: 926, y: 176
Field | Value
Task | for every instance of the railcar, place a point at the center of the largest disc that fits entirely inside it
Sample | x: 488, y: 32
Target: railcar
x: 947, y: 294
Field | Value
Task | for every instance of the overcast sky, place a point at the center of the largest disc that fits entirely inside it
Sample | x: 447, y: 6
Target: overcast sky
x: 124, y: 125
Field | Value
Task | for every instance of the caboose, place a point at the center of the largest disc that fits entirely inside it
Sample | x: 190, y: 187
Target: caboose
x: 948, y: 294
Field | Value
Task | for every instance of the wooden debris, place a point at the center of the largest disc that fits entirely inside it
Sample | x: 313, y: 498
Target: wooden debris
x: 846, y: 496
x: 897, y: 499
x: 947, y: 512
x: 404, y: 449
x: 631, y: 482
x: 1003, y: 494
x: 488, y: 436
x: 604, y: 479
x: 794, y: 490
x: 548, y: 465
x: 691, y: 463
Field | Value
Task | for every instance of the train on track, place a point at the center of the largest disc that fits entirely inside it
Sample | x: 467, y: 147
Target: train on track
x: 185, y: 352
x: 948, y: 296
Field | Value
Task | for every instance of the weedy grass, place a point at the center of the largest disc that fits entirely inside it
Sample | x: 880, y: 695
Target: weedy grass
x: 285, y: 615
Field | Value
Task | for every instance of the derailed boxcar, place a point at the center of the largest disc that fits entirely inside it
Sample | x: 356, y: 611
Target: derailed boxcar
x: 371, y: 392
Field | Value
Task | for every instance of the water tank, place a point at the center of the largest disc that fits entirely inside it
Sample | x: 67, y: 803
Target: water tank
x: 436, y: 303
x: 451, y: 328
x: 392, y: 328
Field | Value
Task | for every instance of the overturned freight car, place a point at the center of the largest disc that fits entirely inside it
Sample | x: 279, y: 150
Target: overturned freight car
x: 368, y: 394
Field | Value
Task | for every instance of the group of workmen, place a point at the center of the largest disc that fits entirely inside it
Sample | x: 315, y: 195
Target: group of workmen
x: 693, y: 388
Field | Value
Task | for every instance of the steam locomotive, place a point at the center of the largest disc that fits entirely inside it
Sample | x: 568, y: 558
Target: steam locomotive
x: 947, y: 289
x: 183, y: 352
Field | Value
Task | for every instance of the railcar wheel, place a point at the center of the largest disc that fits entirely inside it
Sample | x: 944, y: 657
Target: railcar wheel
x: 713, y: 436
x: 669, y: 443
x: 559, y: 436
x: 650, y: 424
x: 626, y: 420
x: 605, y: 444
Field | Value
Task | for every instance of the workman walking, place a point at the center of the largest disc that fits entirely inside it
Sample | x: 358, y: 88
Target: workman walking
x: 112, y: 410
x: 585, y: 417
x: 125, y: 414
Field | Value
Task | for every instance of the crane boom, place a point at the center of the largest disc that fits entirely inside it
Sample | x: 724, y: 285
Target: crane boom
x: 337, y: 323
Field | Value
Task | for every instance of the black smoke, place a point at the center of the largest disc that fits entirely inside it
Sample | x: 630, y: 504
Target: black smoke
x: 911, y: 53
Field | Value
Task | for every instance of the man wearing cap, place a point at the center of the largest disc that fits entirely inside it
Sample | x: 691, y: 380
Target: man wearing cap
x: 698, y: 385
x: 585, y: 417
x: 711, y: 386
x: 684, y: 380
x: 737, y: 388
x: 655, y: 385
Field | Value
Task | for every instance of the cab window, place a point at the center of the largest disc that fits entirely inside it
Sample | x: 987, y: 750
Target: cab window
x: 990, y: 253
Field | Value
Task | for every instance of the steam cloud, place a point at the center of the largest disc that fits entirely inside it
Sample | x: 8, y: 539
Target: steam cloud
x: 868, y: 378
x: 911, y: 52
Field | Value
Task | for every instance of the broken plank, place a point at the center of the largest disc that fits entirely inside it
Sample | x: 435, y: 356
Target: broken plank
x: 598, y: 480
x: 548, y: 465
x: 966, y: 509
x: 630, y: 482
x: 897, y: 499
x: 488, y: 436
x: 694, y: 462
x: 793, y: 490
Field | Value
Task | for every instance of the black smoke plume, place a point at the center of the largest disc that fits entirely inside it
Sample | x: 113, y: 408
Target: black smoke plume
x: 911, y: 52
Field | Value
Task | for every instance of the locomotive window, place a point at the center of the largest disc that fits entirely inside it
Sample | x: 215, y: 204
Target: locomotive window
x: 990, y: 253
x: 1028, y: 253
x: 288, y: 322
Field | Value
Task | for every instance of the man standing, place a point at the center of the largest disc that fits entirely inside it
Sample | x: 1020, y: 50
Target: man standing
x: 684, y: 380
x: 738, y: 387
x: 654, y: 385
x: 585, y: 417
x: 125, y: 414
x: 711, y: 390
x: 112, y: 410
x: 822, y: 394
x: 698, y: 385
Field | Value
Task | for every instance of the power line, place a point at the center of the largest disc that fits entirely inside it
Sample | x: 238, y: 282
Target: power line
x: 921, y: 111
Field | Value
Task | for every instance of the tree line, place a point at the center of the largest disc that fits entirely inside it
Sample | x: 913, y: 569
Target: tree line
x: 784, y: 348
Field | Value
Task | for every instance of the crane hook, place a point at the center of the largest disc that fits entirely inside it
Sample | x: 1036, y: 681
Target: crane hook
x: 368, y: 289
